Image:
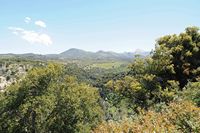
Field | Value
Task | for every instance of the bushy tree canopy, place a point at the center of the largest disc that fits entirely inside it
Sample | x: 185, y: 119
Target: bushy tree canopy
x: 47, y: 101
x: 179, y: 56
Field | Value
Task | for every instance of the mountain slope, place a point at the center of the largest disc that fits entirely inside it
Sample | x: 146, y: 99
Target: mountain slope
x: 99, y: 55
x: 78, y: 54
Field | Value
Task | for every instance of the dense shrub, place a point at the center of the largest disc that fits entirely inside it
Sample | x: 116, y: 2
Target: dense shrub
x: 192, y: 92
x: 177, y: 117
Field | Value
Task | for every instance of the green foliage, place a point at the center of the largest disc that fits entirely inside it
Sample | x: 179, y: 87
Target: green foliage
x: 192, y: 92
x: 109, y: 65
x: 182, y: 117
x: 27, y: 103
x: 44, y: 102
x: 178, y: 55
x: 77, y: 108
x: 159, y: 77
x: 145, y: 91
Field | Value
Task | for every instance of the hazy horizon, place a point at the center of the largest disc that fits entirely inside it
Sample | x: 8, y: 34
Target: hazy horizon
x: 51, y: 27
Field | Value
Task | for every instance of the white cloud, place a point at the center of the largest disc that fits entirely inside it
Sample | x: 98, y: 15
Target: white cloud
x: 27, y: 20
x: 32, y: 36
x: 40, y: 23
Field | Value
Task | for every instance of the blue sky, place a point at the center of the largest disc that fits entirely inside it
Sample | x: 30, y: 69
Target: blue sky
x: 53, y: 26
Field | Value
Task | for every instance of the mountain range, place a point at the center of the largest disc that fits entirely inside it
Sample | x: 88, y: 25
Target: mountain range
x: 78, y: 54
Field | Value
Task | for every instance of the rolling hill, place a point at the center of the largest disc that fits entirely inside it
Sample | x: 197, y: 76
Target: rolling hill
x: 78, y: 54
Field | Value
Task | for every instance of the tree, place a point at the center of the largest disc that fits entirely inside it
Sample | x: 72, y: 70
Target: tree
x: 47, y: 101
x: 182, y: 55
x: 77, y: 108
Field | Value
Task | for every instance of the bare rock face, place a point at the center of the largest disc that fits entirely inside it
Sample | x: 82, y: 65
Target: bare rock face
x: 10, y: 73
x: 2, y: 83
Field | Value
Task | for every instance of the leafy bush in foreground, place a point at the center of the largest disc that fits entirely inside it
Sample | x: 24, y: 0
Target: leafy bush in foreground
x: 181, y: 117
x: 192, y: 92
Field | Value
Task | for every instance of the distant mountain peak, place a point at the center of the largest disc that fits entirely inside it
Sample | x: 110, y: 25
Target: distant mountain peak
x: 74, y: 49
x: 139, y: 51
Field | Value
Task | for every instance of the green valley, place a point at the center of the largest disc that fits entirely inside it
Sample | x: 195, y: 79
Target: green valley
x: 104, y: 92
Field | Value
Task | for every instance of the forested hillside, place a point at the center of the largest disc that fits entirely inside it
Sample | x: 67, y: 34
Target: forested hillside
x: 159, y: 93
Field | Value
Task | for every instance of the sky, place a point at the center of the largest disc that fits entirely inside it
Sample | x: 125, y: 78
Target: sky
x: 53, y: 26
